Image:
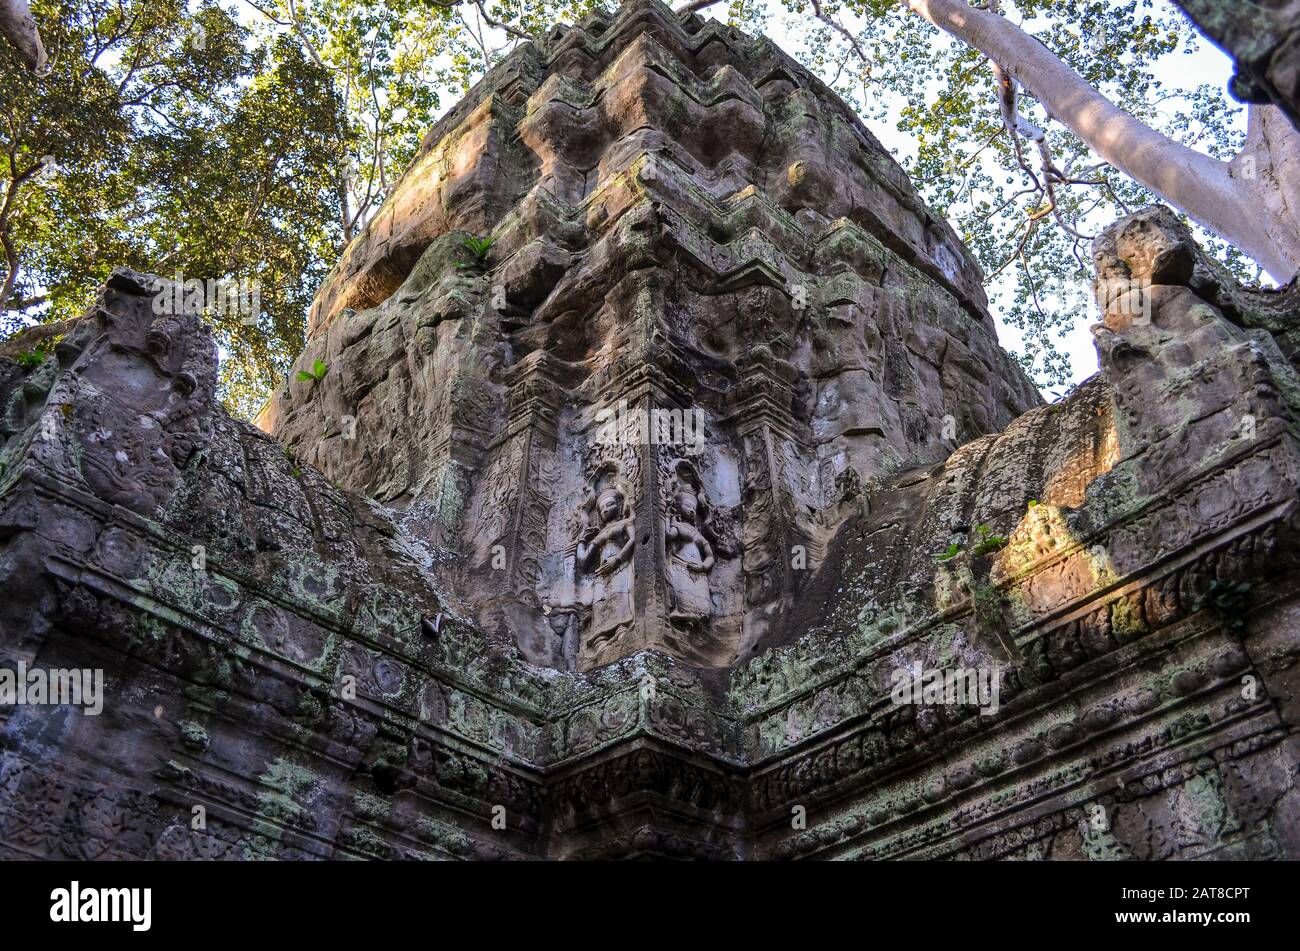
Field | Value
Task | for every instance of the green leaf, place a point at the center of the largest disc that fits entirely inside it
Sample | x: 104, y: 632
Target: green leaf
x: 988, y: 542
x: 479, y: 247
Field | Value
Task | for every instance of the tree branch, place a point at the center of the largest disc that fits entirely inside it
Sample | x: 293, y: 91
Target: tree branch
x: 509, y: 30
x: 695, y: 6
x: 19, y: 27
x: 28, y: 337
x: 1199, y: 185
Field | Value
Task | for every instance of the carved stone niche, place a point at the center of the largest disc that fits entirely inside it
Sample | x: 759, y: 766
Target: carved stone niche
x: 689, y: 557
x: 604, y: 543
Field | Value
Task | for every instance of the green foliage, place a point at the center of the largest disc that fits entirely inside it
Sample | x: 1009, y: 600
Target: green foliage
x: 185, y: 139
x: 315, y: 374
x: 478, y: 247
x: 987, y: 542
x: 30, y: 360
x: 949, y: 553
x: 177, y: 145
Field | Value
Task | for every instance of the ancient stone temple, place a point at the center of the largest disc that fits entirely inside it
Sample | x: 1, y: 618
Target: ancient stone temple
x: 663, y: 452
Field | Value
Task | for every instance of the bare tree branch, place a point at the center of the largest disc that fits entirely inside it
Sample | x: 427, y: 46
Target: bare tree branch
x: 509, y: 30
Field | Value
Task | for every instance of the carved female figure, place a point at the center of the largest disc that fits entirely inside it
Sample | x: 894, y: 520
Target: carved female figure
x: 605, y: 551
x: 690, y: 558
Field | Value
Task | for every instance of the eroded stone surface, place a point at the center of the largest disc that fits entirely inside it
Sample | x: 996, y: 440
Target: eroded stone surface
x: 335, y: 672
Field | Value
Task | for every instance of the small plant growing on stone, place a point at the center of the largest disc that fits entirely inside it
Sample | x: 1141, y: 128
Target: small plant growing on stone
x: 30, y: 359
x: 988, y: 542
x: 479, y: 247
x: 315, y: 374
x: 987, y: 604
x: 949, y: 553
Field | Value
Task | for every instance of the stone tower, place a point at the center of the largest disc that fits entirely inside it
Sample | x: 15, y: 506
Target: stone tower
x: 712, y: 308
x: 645, y: 528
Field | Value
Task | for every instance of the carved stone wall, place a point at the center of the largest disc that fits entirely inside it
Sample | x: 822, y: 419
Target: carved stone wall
x: 314, y: 644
